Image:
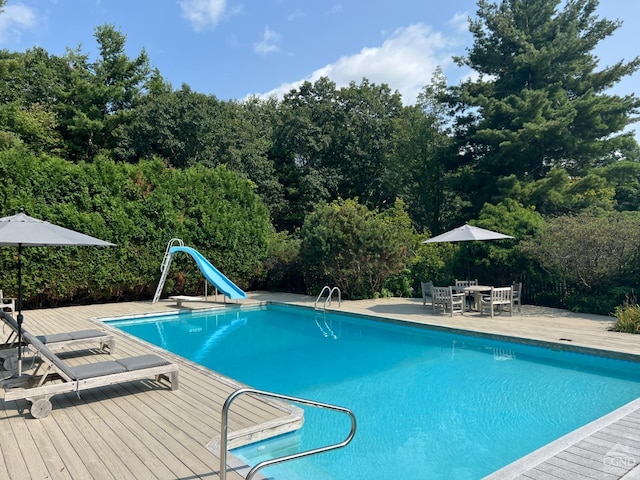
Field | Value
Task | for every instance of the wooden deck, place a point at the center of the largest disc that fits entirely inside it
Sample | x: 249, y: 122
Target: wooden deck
x: 144, y: 430
x: 138, y: 430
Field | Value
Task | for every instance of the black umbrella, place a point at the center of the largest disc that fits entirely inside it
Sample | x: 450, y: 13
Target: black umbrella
x: 23, y: 230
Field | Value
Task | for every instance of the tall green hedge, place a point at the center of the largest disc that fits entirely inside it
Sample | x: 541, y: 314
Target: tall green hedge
x: 138, y: 207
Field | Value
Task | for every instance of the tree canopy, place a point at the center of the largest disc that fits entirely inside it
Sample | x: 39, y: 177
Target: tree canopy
x: 541, y: 98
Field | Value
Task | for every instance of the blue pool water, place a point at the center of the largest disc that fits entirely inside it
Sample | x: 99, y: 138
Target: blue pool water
x: 429, y: 404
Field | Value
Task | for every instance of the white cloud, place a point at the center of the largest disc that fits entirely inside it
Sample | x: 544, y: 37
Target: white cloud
x: 295, y: 15
x: 13, y: 20
x: 460, y: 22
x: 405, y: 61
x: 269, y: 42
x: 202, y: 13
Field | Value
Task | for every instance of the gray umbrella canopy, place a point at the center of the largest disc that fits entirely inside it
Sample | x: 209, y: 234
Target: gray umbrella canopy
x: 22, y: 230
x: 467, y: 233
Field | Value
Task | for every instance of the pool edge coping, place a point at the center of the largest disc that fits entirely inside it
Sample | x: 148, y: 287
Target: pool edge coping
x: 540, y: 455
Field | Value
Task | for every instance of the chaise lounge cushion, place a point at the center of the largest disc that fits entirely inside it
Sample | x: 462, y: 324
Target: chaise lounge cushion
x: 42, y: 350
x: 142, y: 362
x: 67, y: 336
x: 97, y: 369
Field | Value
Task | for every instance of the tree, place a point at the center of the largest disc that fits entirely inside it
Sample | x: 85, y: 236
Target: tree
x: 345, y: 244
x: 624, y: 177
x: 539, y: 101
x: 368, y: 114
x: 560, y: 194
x: 304, y: 141
x: 33, y: 125
x: 588, y: 250
x: 101, y: 95
x: 31, y: 85
x: 335, y: 143
x: 415, y: 172
x: 179, y: 127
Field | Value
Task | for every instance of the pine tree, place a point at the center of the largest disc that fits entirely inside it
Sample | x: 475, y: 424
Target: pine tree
x: 540, y: 99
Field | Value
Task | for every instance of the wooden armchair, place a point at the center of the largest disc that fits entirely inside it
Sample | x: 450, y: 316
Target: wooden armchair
x: 466, y: 283
x: 444, y: 298
x: 497, y: 299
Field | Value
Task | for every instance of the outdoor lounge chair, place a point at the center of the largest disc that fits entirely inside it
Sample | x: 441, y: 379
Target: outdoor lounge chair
x: 55, y: 341
x: 53, y: 376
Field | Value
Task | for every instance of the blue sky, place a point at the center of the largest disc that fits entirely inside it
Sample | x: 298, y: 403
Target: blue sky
x: 235, y: 48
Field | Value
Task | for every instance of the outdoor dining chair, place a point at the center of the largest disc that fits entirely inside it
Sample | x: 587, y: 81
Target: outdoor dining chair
x: 426, y: 292
x: 466, y: 283
x: 444, y: 298
x: 517, y: 293
x: 497, y: 300
x: 469, y: 295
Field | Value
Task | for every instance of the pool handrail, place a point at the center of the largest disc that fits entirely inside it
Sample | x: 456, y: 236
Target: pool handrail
x: 327, y: 301
x: 266, y: 463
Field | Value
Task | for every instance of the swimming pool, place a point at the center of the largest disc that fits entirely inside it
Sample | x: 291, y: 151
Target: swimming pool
x: 430, y: 404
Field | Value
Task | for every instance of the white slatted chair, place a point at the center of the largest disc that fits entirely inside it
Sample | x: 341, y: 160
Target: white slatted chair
x: 444, y: 298
x: 466, y: 283
x: 497, y: 300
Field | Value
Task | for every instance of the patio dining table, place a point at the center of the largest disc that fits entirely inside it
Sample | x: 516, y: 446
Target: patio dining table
x: 476, y: 290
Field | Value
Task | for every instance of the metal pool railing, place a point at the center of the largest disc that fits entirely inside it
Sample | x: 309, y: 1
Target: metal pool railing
x: 267, y: 463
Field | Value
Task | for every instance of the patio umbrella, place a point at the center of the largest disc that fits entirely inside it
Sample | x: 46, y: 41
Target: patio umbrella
x: 467, y: 233
x: 23, y: 230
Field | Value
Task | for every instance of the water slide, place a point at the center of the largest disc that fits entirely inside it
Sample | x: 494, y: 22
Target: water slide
x: 211, y: 273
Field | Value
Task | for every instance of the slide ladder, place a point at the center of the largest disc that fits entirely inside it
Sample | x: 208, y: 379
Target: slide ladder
x: 164, y: 267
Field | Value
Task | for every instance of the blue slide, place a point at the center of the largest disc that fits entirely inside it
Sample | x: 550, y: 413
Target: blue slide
x: 212, y: 274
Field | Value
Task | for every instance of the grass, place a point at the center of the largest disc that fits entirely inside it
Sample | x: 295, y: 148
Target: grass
x: 628, y: 316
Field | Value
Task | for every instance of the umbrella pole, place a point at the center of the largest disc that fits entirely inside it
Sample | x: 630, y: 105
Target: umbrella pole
x: 20, y: 316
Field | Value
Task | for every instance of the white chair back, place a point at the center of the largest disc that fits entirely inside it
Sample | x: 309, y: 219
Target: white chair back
x: 499, y: 297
